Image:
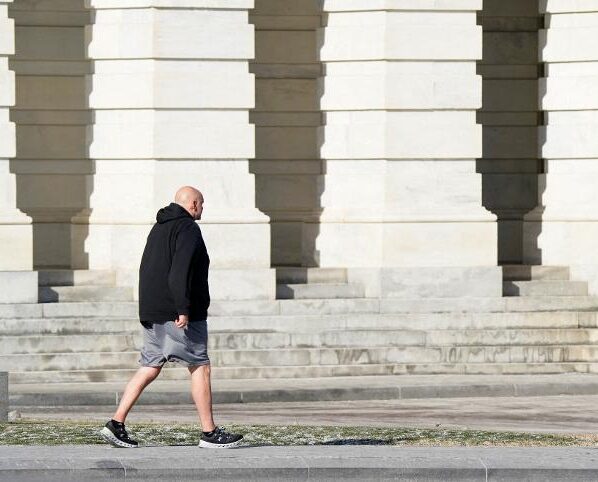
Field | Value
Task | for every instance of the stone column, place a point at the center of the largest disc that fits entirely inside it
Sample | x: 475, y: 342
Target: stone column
x: 17, y: 282
x: 400, y: 142
x: 171, y: 93
x: 563, y: 230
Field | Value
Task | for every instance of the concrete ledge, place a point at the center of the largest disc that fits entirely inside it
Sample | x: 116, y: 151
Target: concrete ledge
x: 313, y: 390
x: 3, y: 396
x: 568, y: 6
x: 242, y: 284
x: 429, y: 282
x: 18, y: 286
x: 389, y: 5
x: 450, y: 282
x: 203, y: 4
x: 349, y: 462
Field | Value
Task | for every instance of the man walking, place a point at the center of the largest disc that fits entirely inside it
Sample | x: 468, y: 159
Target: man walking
x: 173, y: 308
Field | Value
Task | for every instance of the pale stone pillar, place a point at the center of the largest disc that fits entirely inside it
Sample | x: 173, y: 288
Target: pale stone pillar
x: 17, y: 282
x: 170, y: 95
x: 563, y: 230
x: 400, y: 139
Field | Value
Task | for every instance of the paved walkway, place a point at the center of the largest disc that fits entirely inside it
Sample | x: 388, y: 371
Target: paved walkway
x: 181, y: 463
x: 545, y: 403
x: 545, y: 412
x: 558, y: 414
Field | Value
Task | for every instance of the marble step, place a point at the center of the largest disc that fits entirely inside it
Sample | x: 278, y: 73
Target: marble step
x: 505, y: 304
x: 217, y: 308
x: 171, y: 372
x: 318, y: 356
x: 267, y: 340
x: 69, y: 294
x: 61, y: 310
x: 317, y: 307
x: 70, y: 277
x: 515, y: 272
x: 317, y: 323
x: 381, y: 387
x: 545, y: 288
x: 319, y: 291
x: 292, y: 275
x: 512, y: 337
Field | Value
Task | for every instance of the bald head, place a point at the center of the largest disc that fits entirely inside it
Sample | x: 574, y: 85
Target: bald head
x: 190, y: 199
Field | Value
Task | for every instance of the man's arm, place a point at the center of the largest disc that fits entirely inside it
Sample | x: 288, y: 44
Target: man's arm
x: 178, y: 278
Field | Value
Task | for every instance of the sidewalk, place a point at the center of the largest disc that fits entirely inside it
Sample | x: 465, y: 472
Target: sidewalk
x: 540, y: 403
x: 182, y: 463
x: 556, y: 414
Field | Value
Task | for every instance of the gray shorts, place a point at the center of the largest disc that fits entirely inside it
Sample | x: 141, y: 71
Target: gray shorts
x: 165, y: 342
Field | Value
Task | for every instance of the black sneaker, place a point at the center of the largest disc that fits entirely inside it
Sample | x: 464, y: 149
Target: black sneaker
x: 114, y: 433
x: 220, y: 439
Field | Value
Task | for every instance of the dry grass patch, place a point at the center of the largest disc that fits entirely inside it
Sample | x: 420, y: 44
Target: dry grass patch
x: 72, y: 432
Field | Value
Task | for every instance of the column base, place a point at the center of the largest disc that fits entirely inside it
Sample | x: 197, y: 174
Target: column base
x: 18, y: 287
x: 243, y: 284
x: 108, y: 246
x: 17, y: 243
x: 564, y: 243
x: 225, y: 284
x: 429, y: 282
x: 239, y: 256
x: 406, y: 244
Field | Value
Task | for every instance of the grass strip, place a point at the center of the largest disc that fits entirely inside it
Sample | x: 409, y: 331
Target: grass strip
x: 72, y: 432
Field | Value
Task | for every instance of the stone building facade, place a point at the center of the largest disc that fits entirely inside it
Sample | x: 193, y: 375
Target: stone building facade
x: 422, y: 144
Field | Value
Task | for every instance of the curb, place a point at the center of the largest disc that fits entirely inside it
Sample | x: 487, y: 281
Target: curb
x: 323, y: 394
x: 323, y: 462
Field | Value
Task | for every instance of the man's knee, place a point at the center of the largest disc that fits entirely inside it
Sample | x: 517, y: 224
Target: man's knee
x: 151, y: 373
x: 205, y: 369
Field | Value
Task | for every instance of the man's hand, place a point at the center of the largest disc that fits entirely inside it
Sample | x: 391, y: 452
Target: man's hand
x: 182, y: 321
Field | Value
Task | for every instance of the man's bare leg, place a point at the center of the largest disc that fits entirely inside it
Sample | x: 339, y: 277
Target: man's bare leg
x: 141, y: 379
x: 201, y: 390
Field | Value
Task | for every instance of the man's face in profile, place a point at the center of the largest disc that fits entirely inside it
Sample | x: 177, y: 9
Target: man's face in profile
x: 198, y: 208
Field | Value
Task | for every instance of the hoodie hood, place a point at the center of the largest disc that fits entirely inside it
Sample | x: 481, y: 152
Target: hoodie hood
x: 171, y: 212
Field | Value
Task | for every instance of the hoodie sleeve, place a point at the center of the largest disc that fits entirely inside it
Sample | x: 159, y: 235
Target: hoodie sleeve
x: 178, y: 278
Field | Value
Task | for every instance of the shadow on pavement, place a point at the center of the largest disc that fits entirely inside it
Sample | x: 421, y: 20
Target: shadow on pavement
x: 356, y: 441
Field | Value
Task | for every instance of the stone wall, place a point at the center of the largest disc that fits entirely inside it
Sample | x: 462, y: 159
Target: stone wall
x: 17, y: 282
x: 15, y: 227
x: 342, y: 133
x: 564, y: 228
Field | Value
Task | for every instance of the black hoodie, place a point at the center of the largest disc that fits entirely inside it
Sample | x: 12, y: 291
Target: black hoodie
x: 173, y: 276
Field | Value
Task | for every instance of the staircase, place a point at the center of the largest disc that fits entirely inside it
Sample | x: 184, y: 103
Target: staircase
x: 75, y: 286
x: 323, y: 283
x: 522, y: 280
x: 320, y: 326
